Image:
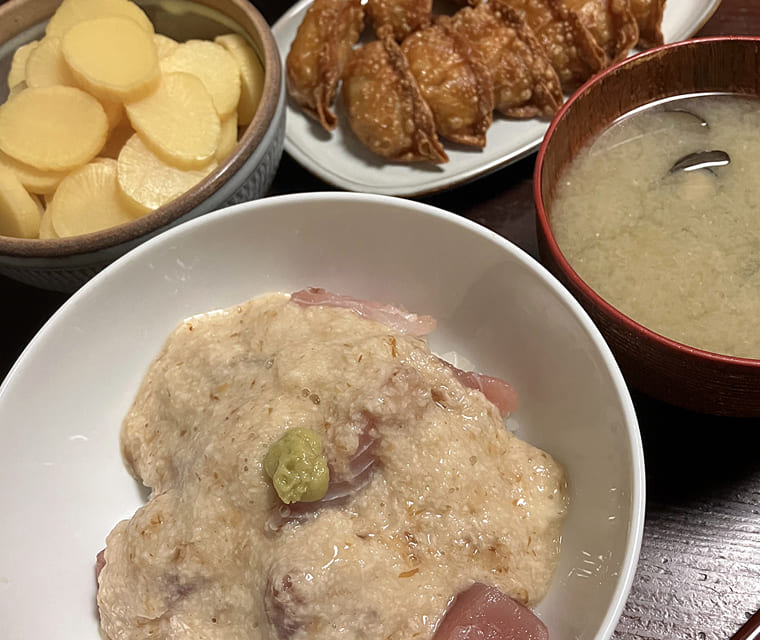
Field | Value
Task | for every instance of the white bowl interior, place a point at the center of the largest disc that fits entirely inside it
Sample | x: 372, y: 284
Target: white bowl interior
x: 62, y: 404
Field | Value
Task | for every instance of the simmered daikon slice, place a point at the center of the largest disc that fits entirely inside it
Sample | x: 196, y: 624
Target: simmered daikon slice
x: 114, y: 112
x: 15, y: 90
x: 34, y: 180
x: 46, y: 199
x: 70, y: 12
x: 148, y: 181
x: 89, y: 199
x: 46, y: 67
x: 17, y: 72
x: 112, y: 58
x: 178, y: 121
x: 47, y: 231
x: 164, y: 44
x: 228, y: 136
x: 116, y: 139
x: 20, y: 212
x: 215, y: 68
x: 52, y: 128
x: 251, y: 74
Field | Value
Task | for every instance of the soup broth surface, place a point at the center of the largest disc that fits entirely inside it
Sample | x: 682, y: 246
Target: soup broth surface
x: 678, y: 252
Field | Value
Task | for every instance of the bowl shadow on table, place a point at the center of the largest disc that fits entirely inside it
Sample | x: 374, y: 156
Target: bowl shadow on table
x: 31, y: 308
x: 483, y: 201
x: 690, y: 455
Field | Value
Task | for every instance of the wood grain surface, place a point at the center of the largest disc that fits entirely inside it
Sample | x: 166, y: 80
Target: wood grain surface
x: 699, y: 571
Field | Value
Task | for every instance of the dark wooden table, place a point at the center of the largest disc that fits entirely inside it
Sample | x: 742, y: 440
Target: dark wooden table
x: 699, y: 572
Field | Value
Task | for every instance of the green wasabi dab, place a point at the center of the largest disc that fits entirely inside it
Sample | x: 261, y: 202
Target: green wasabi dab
x: 297, y: 466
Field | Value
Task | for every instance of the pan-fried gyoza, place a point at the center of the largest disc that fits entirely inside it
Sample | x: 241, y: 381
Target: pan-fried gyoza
x: 454, y: 81
x: 402, y: 17
x: 385, y: 107
x: 524, y: 81
x: 648, y: 14
x: 446, y: 73
x: 612, y: 24
x: 315, y: 62
x: 570, y: 46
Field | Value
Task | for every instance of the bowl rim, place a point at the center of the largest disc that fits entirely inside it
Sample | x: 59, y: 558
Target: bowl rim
x: 154, y: 221
x: 569, y: 272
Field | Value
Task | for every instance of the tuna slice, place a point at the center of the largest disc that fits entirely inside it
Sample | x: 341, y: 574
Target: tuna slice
x: 485, y: 613
x: 501, y: 393
x: 394, y: 317
x: 100, y: 562
x: 498, y: 391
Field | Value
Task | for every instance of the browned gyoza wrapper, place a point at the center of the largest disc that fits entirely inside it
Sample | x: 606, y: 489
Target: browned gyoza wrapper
x: 454, y: 81
x: 385, y: 107
x: 570, y: 46
x: 612, y: 24
x: 318, y: 54
x: 400, y: 17
x: 525, y: 83
x: 648, y: 14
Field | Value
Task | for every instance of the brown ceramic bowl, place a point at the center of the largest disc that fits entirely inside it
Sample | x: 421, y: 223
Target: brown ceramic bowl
x: 65, y: 263
x: 673, y: 372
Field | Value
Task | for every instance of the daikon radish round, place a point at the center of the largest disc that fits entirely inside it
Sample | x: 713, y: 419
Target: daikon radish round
x: 114, y: 112
x: 215, y: 68
x: 117, y: 137
x: 148, y: 181
x: 112, y: 58
x: 47, y: 231
x: 89, y: 200
x: 164, y: 44
x: 178, y: 121
x: 20, y: 212
x: 251, y: 74
x: 70, y: 12
x: 228, y: 136
x: 46, y: 67
x: 17, y: 88
x: 34, y: 180
x: 52, y: 128
x: 17, y: 72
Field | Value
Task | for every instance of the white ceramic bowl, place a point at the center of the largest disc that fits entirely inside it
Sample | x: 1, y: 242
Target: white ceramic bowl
x: 62, y: 403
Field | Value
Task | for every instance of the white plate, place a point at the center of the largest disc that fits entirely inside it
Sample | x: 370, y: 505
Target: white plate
x: 341, y: 160
x: 64, y: 485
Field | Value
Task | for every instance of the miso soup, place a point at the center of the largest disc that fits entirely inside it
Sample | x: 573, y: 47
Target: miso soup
x: 676, y: 251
